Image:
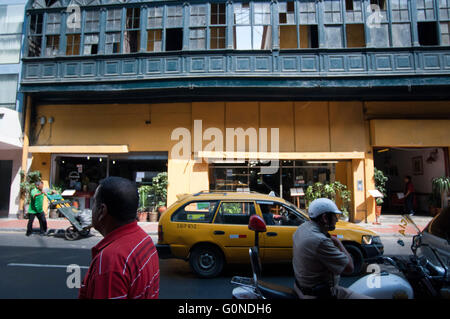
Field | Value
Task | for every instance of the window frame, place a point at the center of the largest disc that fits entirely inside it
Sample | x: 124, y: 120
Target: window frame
x: 239, y: 201
x: 211, y: 221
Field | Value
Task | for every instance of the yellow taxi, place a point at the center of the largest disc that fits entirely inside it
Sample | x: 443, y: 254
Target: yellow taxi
x: 211, y: 229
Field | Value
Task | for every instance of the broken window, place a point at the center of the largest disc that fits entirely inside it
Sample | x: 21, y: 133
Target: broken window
x: 91, y: 29
x: 401, y: 27
x: 113, y: 28
x: 242, y: 29
x: 380, y: 3
x: 131, y: 37
x: 35, y: 35
x: 52, y: 31
x: 262, y: 30
x: 112, y: 43
x: 197, y: 32
x: 353, y: 11
x: 287, y: 31
x: 428, y: 34
x: 308, y: 30
x: 174, y: 28
x: 252, y: 31
x: 155, y: 27
x: 218, y: 26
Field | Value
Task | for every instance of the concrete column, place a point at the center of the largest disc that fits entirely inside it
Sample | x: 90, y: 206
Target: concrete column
x: 359, y: 193
x: 26, y: 141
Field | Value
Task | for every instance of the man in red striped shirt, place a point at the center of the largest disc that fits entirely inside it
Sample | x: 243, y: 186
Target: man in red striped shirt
x: 125, y: 263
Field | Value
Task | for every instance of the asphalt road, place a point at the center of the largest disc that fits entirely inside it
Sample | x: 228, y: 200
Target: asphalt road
x: 35, y: 267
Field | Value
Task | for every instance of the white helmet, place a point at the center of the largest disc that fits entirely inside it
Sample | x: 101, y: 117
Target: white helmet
x: 321, y: 206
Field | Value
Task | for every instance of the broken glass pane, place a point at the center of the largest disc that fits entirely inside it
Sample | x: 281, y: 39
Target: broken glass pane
x: 262, y: 38
x: 243, y: 38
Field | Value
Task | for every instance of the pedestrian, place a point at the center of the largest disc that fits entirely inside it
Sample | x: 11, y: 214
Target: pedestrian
x: 409, y: 196
x: 36, y: 209
x: 125, y: 262
x: 318, y: 258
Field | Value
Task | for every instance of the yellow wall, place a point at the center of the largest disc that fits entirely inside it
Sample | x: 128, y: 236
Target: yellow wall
x: 303, y: 127
x: 410, y: 133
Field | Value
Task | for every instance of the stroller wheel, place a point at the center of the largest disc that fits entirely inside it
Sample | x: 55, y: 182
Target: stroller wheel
x: 72, y: 233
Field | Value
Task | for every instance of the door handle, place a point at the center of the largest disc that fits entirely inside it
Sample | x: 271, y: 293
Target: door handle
x: 271, y: 234
x: 219, y: 232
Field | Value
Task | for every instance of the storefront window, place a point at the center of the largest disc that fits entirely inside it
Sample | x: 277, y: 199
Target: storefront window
x: 248, y: 176
x: 83, y: 173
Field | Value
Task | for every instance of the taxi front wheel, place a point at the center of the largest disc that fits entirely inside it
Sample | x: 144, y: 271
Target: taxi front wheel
x: 358, y: 260
x: 206, y: 261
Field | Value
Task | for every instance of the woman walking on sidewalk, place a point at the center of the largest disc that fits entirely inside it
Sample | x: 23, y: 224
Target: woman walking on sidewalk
x: 36, y: 209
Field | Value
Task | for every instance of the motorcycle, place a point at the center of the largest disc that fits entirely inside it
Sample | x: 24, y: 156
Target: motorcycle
x: 418, y: 276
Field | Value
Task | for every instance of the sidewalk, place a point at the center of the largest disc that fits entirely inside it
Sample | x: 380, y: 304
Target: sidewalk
x: 20, y: 225
x: 390, y: 225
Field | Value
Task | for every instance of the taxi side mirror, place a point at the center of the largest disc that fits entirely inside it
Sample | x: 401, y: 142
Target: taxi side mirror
x: 257, y: 224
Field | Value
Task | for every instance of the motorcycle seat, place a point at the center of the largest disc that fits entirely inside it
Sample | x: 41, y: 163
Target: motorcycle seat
x: 273, y: 291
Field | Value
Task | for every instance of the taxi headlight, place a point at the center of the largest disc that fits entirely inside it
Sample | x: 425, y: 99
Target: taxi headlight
x: 367, y: 239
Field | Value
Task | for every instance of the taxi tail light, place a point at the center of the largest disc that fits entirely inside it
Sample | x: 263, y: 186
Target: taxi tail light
x: 160, y: 233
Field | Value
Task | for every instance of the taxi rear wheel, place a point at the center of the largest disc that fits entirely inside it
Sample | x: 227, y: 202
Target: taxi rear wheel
x: 358, y: 259
x: 206, y: 261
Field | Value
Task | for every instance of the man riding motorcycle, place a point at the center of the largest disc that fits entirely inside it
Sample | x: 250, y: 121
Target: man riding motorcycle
x: 318, y: 258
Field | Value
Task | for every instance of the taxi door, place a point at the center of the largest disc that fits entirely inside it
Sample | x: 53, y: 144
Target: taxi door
x: 230, y: 230
x: 276, y: 242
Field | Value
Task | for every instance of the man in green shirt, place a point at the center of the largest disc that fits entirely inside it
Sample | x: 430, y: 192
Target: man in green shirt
x: 36, y: 210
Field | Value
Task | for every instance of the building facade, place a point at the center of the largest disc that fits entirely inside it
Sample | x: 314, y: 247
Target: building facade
x: 11, y: 36
x: 215, y: 92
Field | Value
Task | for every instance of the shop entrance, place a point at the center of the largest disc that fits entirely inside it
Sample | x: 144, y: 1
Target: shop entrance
x: 84, y: 172
x: 421, y: 164
x: 247, y: 176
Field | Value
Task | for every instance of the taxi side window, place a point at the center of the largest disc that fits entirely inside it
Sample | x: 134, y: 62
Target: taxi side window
x: 196, y: 212
x: 236, y: 213
x: 276, y: 214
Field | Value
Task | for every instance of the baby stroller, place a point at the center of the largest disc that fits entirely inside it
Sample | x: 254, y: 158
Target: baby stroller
x: 81, y: 220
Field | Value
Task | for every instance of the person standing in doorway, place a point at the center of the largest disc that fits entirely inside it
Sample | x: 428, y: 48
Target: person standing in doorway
x: 409, y: 196
x: 36, y: 209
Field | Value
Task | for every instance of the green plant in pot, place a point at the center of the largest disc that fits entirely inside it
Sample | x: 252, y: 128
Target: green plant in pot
x: 320, y: 190
x: 144, y: 192
x: 380, y: 185
x: 440, y: 186
x: 159, y: 184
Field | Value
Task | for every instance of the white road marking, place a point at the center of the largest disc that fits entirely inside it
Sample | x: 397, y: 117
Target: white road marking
x: 42, y: 265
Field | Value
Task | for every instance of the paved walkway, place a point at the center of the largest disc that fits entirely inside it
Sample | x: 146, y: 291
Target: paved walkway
x: 390, y: 224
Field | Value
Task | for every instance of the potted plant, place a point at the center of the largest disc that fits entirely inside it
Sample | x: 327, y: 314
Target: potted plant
x: 144, y: 191
x: 159, y: 184
x: 439, y: 189
x: 27, y: 181
x: 320, y: 190
x: 380, y: 185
